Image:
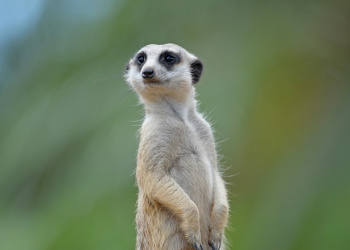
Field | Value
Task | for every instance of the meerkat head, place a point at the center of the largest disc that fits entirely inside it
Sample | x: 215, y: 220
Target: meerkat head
x: 167, y: 69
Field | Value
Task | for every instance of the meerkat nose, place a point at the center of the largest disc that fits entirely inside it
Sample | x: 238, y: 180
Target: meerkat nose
x: 148, y: 73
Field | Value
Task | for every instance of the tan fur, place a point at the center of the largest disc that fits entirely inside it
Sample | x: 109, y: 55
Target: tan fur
x: 182, y: 200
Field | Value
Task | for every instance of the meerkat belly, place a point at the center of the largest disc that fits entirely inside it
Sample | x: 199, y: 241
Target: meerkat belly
x: 192, y: 169
x: 193, y: 173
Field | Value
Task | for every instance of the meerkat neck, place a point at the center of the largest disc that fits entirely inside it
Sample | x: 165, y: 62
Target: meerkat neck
x: 167, y: 105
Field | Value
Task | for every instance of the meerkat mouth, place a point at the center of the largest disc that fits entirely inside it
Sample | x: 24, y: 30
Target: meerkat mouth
x: 152, y: 82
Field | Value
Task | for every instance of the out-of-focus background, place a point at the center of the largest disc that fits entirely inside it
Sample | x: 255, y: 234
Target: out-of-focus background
x: 276, y: 86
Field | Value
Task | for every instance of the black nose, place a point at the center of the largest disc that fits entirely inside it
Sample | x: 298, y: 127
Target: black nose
x: 148, y: 73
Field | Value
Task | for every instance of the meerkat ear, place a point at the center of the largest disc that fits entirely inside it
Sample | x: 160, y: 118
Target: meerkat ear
x: 127, y: 67
x: 196, y: 70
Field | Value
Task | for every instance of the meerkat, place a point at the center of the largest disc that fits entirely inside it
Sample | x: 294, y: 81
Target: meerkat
x: 182, y: 200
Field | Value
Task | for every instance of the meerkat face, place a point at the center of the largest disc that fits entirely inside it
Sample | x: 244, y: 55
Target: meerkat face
x: 160, y: 69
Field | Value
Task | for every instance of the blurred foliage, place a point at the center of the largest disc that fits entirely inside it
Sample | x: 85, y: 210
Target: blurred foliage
x: 275, y: 85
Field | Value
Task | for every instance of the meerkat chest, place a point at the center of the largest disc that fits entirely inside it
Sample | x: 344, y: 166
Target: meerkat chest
x: 185, y: 145
x: 192, y: 166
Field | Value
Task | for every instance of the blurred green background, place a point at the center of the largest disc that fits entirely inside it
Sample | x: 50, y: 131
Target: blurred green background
x: 276, y: 86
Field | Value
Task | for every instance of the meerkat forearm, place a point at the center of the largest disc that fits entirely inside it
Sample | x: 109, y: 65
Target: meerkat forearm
x: 219, y: 214
x: 162, y: 189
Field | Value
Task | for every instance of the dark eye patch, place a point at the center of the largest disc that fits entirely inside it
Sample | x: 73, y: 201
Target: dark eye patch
x: 168, y: 59
x: 140, y: 59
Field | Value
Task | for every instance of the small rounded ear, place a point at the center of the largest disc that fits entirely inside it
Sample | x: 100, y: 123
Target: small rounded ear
x: 196, y: 70
x: 127, y: 67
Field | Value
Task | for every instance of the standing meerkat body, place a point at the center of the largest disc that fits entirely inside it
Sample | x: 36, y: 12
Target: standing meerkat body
x: 182, y: 201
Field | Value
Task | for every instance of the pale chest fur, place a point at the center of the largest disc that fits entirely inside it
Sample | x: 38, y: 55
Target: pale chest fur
x: 187, y: 144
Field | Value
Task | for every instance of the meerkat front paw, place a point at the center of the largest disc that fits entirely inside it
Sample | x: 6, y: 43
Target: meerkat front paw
x: 191, y: 227
x: 218, y: 223
x: 215, y: 239
x: 197, y: 247
x: 194, y: 238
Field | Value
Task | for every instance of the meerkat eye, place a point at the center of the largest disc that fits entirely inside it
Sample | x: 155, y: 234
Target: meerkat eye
x: 141, y: 59
x: 169, y: 59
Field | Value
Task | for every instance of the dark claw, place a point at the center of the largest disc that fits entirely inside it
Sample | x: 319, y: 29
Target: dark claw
x: 213, y: 247
x: 196, y: 247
